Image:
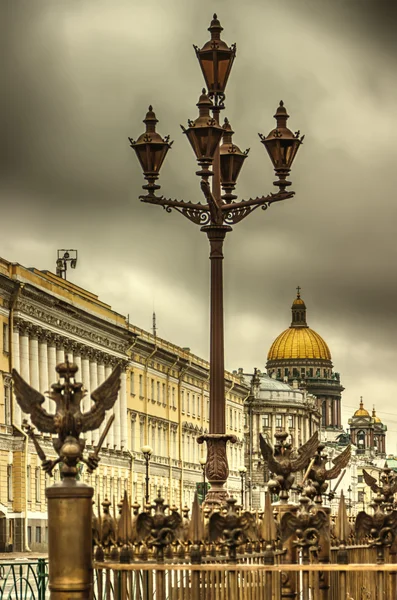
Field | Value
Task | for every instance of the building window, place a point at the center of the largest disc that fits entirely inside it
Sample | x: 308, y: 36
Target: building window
x: 38, y: 535
x: 279, y: 421
x: 10, y: 494
x: 7, y: 405
x: 193, y: 405
x: 152, y: 389
x: 158, y: 392
x: 141, y: 433
x: 183, y: 400
x: 188, y: 404
x: 199, y: 406
x: 141, y: 386
x: 231, y: 418
x: 173, y: 398
x: 265, y: 421
x: 132, y: 383
x: 105, y: 487
x: 291, y: 421
x: 164, y: 398
x: 5, y: 338
x: 29, y: 535
x: 38, y: 484
x: 360, y: 479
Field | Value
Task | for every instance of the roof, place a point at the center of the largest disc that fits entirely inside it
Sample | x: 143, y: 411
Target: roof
x: 299, y: 343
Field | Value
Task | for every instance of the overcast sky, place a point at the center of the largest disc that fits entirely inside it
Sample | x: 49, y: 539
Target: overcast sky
x: 80, y: 76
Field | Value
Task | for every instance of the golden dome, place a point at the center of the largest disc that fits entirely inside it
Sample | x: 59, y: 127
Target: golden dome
x: 298, y: 302
x: 375, y: 418
x: 361, y: 412
x: 299, y: 342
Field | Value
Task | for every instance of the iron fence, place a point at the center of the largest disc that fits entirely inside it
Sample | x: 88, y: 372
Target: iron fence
x: 25, y: 580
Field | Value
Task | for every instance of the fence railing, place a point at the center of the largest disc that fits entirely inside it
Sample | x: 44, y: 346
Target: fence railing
x: 243, y: 582
x: 25, y: 580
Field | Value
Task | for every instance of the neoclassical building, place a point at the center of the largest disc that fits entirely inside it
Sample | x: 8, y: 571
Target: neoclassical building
x: 274, y: 406
x: 300, y: 354
x: 163, y: 400
x: 368, y: 432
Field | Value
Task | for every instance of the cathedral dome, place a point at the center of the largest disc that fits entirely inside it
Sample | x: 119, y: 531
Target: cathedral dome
x: 299, y: 341
x: 361, y: 412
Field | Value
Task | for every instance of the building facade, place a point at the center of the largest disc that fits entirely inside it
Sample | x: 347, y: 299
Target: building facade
x: 274, y: 406
x: 163, y: 401
x: 300, y: 353
x: 368, y: 433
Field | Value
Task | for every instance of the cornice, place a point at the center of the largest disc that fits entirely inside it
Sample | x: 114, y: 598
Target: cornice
x: 66, y: 317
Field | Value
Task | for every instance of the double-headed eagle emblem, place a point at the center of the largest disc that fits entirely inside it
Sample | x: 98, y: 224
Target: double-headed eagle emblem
x: 283, y: 461
x: 68, y: 422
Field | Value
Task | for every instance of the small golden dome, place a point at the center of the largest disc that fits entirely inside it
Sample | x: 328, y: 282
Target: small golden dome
x: 375, y: 418
x: 298, y: 302
x: 299, y: 342
x: 361, y: 412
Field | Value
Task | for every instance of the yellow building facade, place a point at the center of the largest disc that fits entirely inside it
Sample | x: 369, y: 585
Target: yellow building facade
x: 163, y: 401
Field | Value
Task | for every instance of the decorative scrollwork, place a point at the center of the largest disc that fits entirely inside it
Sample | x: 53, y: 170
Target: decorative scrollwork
x: 237, y: 215
x: 196, y: 216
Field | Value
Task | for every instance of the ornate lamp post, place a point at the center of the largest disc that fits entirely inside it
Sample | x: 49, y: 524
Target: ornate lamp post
x: 147, y: 453
x: 220, y: 160
x: 243, y: 471
x: 203, y: 462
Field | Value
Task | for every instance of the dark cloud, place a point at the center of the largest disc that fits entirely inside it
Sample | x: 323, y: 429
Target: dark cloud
x: 80, y: 77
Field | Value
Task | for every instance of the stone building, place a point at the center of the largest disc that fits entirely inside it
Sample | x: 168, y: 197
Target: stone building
x: 368, y: 433
x: 300, y: 353
x: 271, y: 407
x: 163, y: 400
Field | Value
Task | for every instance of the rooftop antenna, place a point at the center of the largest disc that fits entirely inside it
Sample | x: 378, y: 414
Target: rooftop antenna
x: 154, y: 324
x: 68, y: 256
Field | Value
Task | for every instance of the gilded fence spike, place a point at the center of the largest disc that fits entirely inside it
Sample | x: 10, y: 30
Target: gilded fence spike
x: 342, y: 525
x: 196, y: 529
x: 268, y: 527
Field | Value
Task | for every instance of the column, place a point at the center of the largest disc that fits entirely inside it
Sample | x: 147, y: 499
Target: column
x: 34, y: 360
x: 116, y: 422
x: 60, y: 353
x: 123, y: 410
x: 78, y: 375
x: 43, y: 368
x: 110, y: 437
x: 24, y: 355
x: 85, y: 379
x: 52, y: 361
x: 93, y: 386
x: 17, y: 413
x: 101, y: 379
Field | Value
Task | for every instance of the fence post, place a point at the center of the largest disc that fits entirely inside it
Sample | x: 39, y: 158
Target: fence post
x: 41, y: 578
x: 70, y: 540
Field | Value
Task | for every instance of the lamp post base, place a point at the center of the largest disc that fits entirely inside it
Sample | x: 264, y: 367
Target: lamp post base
x: 216, y: 468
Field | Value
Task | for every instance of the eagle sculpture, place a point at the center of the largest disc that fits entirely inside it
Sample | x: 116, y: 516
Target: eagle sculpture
x: 319, y: 475
x: 68, y: 422
x: 388, y: 480
x: 282, y: 461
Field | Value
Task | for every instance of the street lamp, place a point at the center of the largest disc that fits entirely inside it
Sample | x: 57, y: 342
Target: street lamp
x: 222, y: 164
x: 147, y: 452
x: 203, y: 462
x: 242, y: 470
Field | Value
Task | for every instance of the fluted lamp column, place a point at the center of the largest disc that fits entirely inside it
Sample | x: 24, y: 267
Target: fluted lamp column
x: 220, y: 161
x: 147, y: 453
x: 243, y: 471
